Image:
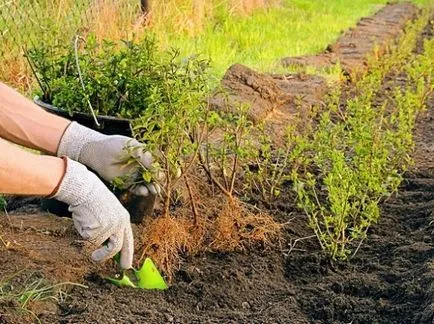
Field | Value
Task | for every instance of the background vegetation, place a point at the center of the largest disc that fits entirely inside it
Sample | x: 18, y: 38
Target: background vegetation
x: 256, y: 33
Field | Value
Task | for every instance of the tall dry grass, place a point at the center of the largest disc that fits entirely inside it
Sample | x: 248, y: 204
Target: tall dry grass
x: 58, y: 20
x: 15, y: 71
x: 118, y: 19
x: 192, y: 16
x: 115, y: 20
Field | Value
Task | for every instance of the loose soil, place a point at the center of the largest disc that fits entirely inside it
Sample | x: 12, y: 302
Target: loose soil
x: 390, y: 280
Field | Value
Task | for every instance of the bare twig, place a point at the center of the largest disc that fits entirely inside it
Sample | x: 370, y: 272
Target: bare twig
x: 192, y: 202
x: 77, y: 38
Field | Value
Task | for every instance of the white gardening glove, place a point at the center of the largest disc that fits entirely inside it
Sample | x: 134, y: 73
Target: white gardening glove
x: 97, y: 214
x: 108, y: 156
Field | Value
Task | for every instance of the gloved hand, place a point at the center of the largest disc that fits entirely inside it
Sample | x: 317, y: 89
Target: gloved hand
x: 97, y: 215
x: 107, y: 155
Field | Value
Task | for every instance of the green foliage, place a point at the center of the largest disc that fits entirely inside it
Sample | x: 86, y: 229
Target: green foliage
x: 260, y: 39
x: 187, y: 135
x: 164, y: 94
x: 268, y: 171
x: 119, y: 78
x: 228, y: 147
x: 354, y: 161
x: 173, y: 124
x: 24, y: 293
x: 3, y: 203
x: 341, y: 197
x: 342, y: 168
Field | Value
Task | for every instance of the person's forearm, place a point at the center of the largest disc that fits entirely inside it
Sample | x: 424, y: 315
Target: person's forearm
x: 23, y: 122
x: 25, y: 173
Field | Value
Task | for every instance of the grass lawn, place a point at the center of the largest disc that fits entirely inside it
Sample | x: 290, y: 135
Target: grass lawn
x: 258, y: 38
x: 296, y: 27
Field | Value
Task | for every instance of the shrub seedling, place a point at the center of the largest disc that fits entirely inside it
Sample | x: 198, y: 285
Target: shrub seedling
x: 353, y: 163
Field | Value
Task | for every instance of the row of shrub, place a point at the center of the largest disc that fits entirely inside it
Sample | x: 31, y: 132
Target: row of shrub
x: 341, y: 163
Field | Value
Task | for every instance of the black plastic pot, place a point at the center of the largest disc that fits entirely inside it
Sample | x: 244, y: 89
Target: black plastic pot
x: 138, y: 206
x: 109, y: 125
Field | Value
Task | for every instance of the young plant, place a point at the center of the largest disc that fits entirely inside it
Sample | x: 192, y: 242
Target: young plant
x: 173, y: 125
x: 352, y: 163
x: 268, y: 172
x: 115, y: 78
x: 227, y: 149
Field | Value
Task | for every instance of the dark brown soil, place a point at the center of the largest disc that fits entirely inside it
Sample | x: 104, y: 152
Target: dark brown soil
x: 246, y: 86
x: 390, y: 280
x: 275, y: 100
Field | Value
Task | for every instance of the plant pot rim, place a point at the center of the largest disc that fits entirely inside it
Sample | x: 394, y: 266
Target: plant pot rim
x: 57, y: 110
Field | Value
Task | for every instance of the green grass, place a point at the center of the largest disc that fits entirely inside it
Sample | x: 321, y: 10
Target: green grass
x: 3, y: 203
x: 21, y: 296
x: 295, y: 27
x: 259, y: 41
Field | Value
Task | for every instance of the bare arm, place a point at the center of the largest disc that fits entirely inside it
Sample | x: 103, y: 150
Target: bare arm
x: 24, y: 123
x: 98, y: 216
x: 25, y: 173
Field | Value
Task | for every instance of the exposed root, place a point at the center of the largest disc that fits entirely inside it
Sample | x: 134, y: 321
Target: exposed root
x: 223, y: 225
x: 236, y: 228
x: 166, y: 239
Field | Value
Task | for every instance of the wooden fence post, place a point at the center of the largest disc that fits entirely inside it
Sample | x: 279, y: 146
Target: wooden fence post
x: 144, y: 6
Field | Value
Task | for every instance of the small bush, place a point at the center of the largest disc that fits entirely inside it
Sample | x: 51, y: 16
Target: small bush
x: 352, y: 163
x: 119, y: 77
x: 199, y: 154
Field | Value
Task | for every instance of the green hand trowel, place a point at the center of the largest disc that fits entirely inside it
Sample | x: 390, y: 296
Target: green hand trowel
x: 147, y: 277
x: 125, y: 281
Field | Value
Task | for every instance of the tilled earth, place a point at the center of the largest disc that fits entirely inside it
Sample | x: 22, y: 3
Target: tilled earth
x: 390, y: 280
